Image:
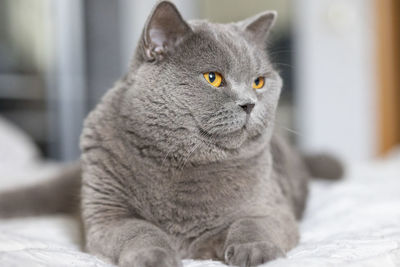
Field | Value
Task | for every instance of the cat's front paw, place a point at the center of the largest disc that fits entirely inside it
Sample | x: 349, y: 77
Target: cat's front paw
x: 149, y: 257
x: 252, y: 254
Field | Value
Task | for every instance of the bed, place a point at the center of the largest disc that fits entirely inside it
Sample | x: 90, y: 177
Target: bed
x: 353, y: 222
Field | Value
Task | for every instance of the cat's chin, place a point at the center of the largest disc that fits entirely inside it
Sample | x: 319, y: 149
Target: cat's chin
x: 230, y: 140
x: 236, y: 140
x: 233, y: 141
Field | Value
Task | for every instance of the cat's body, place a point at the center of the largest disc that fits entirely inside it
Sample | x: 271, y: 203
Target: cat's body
x: 191, y: 202
x: 173, y: 167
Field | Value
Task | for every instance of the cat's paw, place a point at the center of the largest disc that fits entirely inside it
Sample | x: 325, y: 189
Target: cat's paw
x: 149, y: 257
x: 252, y: 254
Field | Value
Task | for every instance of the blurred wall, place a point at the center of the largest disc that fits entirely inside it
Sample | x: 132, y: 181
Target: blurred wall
x: 24, y: 59
x: 82, y: 47
x: 225, y: 11
x: 335, y: 70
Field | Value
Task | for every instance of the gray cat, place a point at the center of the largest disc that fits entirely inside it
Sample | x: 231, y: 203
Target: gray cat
x: 180, y: 159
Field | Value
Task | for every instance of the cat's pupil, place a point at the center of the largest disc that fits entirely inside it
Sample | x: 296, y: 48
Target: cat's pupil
x: 257, y: 81
x: 211, y: 76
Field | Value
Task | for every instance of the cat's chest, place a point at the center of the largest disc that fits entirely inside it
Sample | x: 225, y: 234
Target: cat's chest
x: 189, y: 201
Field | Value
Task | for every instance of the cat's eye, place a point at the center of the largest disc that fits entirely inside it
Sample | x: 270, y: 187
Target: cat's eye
x: 213, y: 78
x: 258, y: 83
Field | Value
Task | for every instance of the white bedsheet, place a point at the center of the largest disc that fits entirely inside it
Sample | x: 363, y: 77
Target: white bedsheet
x: 353, y: 222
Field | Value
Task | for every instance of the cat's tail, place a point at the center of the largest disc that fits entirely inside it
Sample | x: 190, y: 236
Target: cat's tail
x: 59, y: 194
x: 324, y: 166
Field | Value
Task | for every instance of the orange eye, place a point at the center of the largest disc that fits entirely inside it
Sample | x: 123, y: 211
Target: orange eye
x: 258, y: 83
x: 213, y: 78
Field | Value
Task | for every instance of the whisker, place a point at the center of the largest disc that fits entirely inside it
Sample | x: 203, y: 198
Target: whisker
x: 165, y: 158
x: 188, y: 156
x: 288, y: 129
x: 292, y: 131
x: 285, y: 65
x: 277, y: 52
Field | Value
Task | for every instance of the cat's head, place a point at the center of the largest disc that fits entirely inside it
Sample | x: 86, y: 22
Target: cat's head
x: 200, y: 82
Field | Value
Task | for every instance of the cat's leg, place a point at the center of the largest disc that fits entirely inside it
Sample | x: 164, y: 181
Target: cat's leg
x: 132, y: 243
x: 251, y: 241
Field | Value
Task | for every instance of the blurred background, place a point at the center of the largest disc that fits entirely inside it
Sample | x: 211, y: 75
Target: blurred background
x: 340, y: 61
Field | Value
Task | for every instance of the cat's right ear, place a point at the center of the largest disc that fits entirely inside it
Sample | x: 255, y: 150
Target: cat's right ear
x: 164, y: 30
x: 259, y: 26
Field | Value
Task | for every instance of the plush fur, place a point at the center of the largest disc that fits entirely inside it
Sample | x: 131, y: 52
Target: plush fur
x: 174, y: 168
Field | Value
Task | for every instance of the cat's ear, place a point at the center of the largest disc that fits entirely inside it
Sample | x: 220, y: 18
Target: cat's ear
x: 164, y: 30
x: 259, y: 26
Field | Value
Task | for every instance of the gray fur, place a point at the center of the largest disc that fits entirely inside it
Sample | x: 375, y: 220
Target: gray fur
x: 170, y: 171
x: 174, y: 168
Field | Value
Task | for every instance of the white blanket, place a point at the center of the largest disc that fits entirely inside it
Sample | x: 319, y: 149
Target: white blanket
x: 353, y: 222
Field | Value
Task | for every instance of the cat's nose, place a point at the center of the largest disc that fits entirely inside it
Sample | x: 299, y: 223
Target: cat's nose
x: 247, y: 107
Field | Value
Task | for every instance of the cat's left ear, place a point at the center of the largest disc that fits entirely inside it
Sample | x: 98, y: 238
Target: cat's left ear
x: 259, y: 26
x: 164, y: 30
